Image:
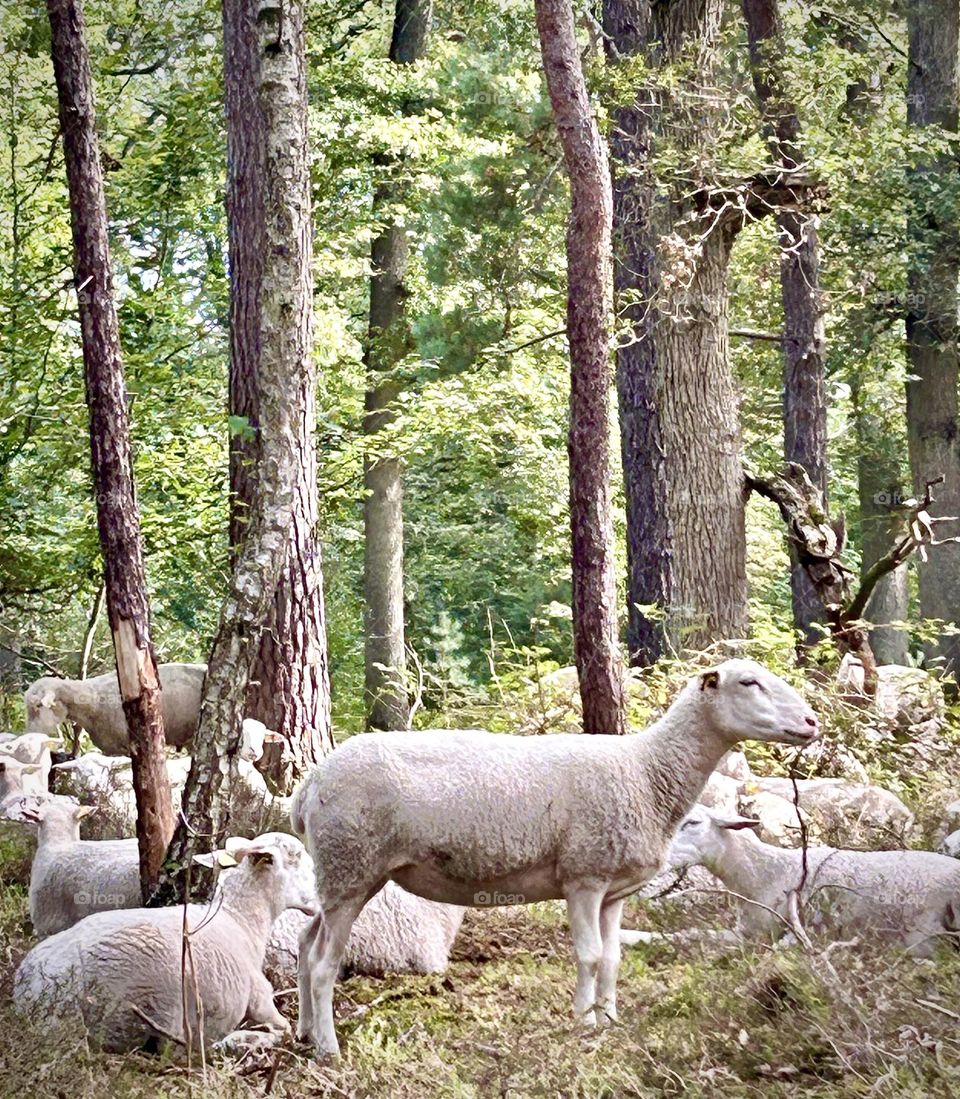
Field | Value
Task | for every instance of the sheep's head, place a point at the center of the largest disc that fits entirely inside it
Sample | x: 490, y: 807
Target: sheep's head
x: 254, y: 736
x: 62, y: 812
x: 45, y: 708
x: 94, y: 770
x: 277, y: 862
x: 31, y: 747
x: 704, y: 835
x: 19, y: 778
x: 745, y: 701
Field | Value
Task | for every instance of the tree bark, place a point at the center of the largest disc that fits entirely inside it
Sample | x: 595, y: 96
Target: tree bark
x: 278, y: 204
x: 388, y: 343
x: 118, y: 518
x: 679, y: 420
x: 804, y: 344
x: 595, y: 628
x: 931, y: 317
x: 289, y: 684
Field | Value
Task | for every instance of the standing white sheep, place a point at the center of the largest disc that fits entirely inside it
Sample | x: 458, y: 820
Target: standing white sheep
x: 70, y: 877
x: 474, y: 818
x: 95, y: 705
x: 120, y: 972
x: 909, y: 896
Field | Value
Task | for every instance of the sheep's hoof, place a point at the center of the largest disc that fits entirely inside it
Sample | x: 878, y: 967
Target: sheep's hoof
x: 243, y: 1041
x: 588, y: 1020
x: 606, y: 1017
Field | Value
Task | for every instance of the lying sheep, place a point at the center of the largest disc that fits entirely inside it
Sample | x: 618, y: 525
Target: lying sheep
x: 71, y: 877
x: 473, y: 818
x: 396, y: 932
x: 908, y: 896
x: 95, y: 705
x: 120, y: 972
x: 33, y: 748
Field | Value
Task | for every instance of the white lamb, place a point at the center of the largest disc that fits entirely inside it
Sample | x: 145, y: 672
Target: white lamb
x: 474, y: 818
x: 95, y: 705
x: 120, y: 972
x: 909, y: 896
x: 17, y: 779
x: 396, y: 932
x: 70, y: 877
x: 33, y: 748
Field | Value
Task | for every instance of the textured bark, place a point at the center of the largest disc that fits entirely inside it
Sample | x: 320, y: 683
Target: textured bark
x: 804, y: 347
x: 931, y: 318
x: 678, y: 410
x: 388, y: 343
x: 278, y: 203
x: 118, y: 518
x: 289, y: 685
x: 595, y: 632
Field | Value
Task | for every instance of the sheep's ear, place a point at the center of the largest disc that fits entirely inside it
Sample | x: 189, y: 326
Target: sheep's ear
x: 273, y: 738
x: 709, y: 679
x: 66, y: 765
x: 30, y: 768
x: 53, y: 743
x: 261, y: 858
x: 221, y: 860
x: 84, y: 811
x: 735, y: 824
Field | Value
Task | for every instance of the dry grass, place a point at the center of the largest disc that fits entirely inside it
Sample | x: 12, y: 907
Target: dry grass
x: 743, y: 1024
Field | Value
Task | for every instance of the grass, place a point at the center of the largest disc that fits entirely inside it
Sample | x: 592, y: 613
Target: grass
x: 855, y: 1022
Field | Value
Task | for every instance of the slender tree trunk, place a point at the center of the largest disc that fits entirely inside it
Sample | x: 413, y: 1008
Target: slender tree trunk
x: 596, y: 644
x: 931, y: 318
x: 388, y: 343
x: 679, y: 419
x: 118, y: 518
x: 276, y: 201
x: 634, y: 283
x: 804, y: 348
x: 289, y: 684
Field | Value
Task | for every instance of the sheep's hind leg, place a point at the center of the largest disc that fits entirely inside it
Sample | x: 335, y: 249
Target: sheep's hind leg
x: 610, y: 916
x: 307, y: 940
x: 583, y: 914
x: 322, y: 966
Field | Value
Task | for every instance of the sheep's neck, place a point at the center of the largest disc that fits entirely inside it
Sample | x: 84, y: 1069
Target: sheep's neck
x: 750, y: 868
x: 251, y: 906
x: 56, y: 835
x: 680, y: 753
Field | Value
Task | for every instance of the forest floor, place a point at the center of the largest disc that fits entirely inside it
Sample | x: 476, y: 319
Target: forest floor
x: 851, y: 1022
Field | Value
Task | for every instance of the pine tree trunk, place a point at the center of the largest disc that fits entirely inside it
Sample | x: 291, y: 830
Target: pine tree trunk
x: 277, y: 203
x: 388, y: 343
x: 804, y: 350
x: 118, y: 518
x: 679, y: 420
x: 289, y: 686
x: 595, y: 629
x: 931, y: 318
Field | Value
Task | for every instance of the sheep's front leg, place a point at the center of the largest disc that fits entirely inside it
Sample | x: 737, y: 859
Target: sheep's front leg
x: 322, y: 966
x: 261, y: 1011
x: 583, y: 914
x: 610, y: 915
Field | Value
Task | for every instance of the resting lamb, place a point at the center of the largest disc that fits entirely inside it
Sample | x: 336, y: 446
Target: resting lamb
x: 120, y: 972
x: 95, y: 705
x: 33, y: 748
x: 473, y: 818
x: 909, y: 896
x: 70, y: 877
x: 396, y: 932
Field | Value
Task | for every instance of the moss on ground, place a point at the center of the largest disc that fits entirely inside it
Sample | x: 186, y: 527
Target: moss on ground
x: 857, y: 1022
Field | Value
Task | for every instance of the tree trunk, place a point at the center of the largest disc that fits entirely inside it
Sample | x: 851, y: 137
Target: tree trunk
x: 880, y: 491
x: 679, y: 420
x: 931, y: 317
x: 595, y: 629
x: 388, y: 343
x: 277, y: 203
x: 289, y: 686
x: 804, y: 350
x: 118, y: 518
x: 634, y: 282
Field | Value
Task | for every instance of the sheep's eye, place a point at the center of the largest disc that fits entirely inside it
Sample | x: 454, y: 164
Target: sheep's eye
x: 749, y: 682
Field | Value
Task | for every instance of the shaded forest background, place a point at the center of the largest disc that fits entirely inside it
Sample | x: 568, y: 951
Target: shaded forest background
x: 483, y: 390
